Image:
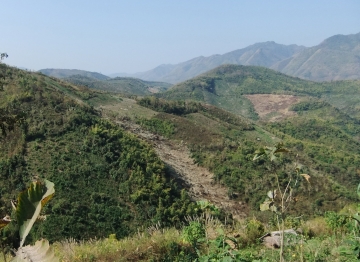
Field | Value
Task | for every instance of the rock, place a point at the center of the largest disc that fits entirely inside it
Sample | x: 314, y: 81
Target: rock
x: 273, y: 239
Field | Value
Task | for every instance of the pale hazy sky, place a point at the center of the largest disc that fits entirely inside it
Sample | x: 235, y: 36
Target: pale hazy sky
x: 131, y: 36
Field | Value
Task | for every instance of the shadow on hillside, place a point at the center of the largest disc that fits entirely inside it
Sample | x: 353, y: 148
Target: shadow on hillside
x: 175, y: 176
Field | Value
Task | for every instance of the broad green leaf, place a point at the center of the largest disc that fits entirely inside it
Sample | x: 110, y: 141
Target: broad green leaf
x: 358, y: 190
x: 266, y: 205
x: 29, y: 205
x: 40, y: 252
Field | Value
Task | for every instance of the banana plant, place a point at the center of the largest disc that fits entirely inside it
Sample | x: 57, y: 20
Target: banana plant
x: 28, y: 209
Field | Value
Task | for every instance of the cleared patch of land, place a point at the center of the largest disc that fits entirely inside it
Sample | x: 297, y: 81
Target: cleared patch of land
x: 126, y: 108
x: 197, y: 180
x: 273, y: 107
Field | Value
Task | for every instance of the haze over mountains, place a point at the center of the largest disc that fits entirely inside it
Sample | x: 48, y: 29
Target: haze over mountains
x: 130, y: 160
x: 124, y: 85
x: 260, y: 54
x: 336, y: 58
x: 63, y: 73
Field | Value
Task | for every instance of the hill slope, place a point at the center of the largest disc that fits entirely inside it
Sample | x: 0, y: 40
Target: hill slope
x: 225, y: 144
x: 260, y: 54
x: 106, y: 175
x: 62, y: 73
x: 227, y: 85
x: 124, y: 85
x: 107, y: 181
x: 336, y: 58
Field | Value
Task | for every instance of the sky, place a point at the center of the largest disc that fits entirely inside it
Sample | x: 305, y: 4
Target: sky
x: 116, y: 36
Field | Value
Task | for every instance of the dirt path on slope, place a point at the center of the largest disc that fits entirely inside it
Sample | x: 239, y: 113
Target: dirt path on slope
x: 197, y: 180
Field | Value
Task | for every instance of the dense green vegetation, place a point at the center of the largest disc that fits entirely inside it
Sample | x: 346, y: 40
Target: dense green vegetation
x: 226, y: 86
x: 108, y: 182
x: 225, y: 144
x: 181, y: 108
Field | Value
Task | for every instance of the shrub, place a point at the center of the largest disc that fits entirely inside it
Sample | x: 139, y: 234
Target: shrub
x: 193, y: 232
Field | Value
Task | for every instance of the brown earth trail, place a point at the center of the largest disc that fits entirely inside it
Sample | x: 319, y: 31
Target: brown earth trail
x: 196, y: 179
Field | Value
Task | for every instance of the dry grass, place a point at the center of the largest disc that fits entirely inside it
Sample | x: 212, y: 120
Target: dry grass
x: 127, y: 108
x: 316, y: 227
x: 137, y: 248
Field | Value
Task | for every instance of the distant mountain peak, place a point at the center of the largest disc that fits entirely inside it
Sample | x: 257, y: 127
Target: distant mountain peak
x: 337, y: 57
x: 259, y: 54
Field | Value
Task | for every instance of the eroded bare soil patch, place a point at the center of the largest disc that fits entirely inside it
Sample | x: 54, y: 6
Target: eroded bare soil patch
x: 196, y: 179
x: 273, y: 107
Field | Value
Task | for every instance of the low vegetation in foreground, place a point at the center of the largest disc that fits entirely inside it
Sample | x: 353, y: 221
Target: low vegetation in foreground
x: 203, y: 238
x: 116, y: 201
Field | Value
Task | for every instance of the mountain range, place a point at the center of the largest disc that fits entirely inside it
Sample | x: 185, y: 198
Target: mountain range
x: 132, y: 157
x: 336, y: 58
x: 122, y: 163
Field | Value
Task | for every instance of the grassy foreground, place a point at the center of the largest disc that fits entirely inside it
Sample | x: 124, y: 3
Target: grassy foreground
x: 207, y: 239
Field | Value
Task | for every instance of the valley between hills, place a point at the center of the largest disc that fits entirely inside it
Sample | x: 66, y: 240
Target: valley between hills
x: 198, y: 170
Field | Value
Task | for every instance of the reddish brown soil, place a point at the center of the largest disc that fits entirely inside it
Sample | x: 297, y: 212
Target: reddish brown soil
x: 273, y: 107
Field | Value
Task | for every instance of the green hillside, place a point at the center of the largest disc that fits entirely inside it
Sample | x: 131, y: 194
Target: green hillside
x: 324, y: 132
x: 124, y: 85
x: 324, y: 145
x: 107, y: 181
x: 63, y: 73
x: 226, y: 86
